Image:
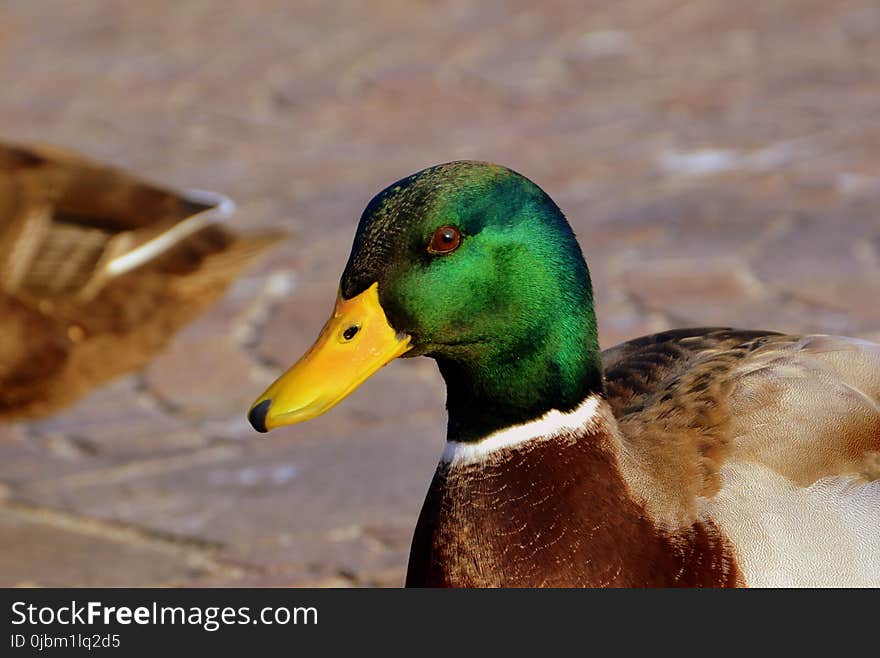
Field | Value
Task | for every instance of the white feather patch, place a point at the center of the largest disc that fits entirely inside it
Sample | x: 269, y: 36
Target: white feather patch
x: 823, y: 535
x: 222, y: 208
x: 551, y: 424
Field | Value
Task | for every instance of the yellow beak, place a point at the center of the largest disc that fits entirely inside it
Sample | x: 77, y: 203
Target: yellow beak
x: 356, y: 342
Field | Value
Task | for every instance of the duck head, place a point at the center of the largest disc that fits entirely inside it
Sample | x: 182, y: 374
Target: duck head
x: 475, y: 266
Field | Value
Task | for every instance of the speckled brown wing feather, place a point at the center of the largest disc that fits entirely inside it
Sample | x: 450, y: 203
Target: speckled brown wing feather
x: 637, y: 371
x: 688, y: 400
x: 809, y: 408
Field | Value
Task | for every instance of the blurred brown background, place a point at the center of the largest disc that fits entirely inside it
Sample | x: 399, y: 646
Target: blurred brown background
x: 719, y: 161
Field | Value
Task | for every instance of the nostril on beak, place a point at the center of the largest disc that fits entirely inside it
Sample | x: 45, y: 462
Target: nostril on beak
x: 257, y: 415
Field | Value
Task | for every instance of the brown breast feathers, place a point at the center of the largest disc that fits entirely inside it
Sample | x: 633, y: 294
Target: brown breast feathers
x: 554, y: 512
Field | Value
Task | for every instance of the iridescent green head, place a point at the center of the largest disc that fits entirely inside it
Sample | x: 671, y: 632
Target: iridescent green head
x: 475, y: 266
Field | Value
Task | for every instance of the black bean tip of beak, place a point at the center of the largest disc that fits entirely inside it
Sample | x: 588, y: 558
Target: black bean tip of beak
x: 257, y: 415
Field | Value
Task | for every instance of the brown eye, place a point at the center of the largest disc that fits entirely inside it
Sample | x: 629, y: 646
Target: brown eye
x: 445, y: 240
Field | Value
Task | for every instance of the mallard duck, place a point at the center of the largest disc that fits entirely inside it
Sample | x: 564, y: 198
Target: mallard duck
x: 695, y: 457
x: 95, y: 261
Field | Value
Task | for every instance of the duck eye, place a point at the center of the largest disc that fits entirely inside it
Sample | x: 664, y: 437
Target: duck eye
x: 351, y: 332
x: 445, y: 240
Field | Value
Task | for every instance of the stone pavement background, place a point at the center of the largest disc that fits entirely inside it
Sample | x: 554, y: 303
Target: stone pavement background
x: 719, y: 161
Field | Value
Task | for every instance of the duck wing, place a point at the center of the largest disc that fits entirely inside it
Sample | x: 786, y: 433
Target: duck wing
x: 774, y: 438
x: 805, y: 406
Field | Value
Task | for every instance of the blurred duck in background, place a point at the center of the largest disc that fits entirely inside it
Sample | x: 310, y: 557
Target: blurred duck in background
x: 98, y: 269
